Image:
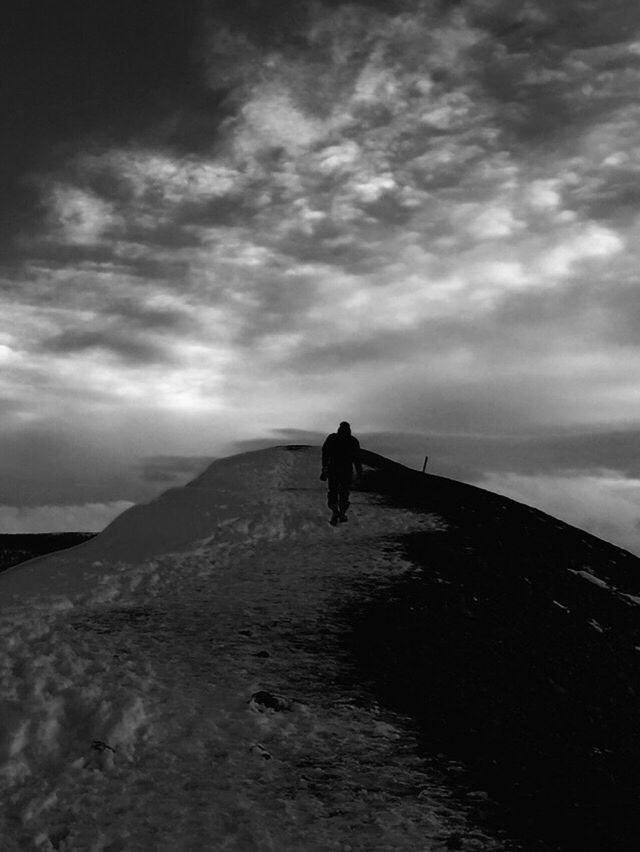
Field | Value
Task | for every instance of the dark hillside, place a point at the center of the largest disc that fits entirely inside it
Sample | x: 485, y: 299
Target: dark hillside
x: 512, y: 662
x: 19, y: 547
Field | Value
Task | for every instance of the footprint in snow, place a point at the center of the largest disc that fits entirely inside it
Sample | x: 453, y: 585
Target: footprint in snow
x: 260, y: 751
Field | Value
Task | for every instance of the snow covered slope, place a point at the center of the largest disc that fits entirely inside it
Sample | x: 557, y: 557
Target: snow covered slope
x: 249, y: 496
x: 181, y: 681
x: 266, y: 495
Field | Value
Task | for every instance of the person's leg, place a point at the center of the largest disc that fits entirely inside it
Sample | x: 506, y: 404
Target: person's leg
x: 333, y: 498
x: 343, y: 497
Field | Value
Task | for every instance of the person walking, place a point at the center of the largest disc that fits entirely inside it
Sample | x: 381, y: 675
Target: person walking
x: 340, y: 454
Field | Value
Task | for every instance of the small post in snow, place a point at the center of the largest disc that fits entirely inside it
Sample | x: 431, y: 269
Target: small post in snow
x: 424, y: 466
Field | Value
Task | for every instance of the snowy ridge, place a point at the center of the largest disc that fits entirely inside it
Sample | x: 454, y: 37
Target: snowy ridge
x: 128, y: 667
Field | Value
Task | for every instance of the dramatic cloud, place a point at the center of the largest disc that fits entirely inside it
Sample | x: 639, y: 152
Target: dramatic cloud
x: 419, y: 215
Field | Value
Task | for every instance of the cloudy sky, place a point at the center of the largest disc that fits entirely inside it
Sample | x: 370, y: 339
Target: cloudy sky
x: 237, y: 221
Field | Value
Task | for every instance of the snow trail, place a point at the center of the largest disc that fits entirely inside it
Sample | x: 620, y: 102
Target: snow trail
x: 127, y: 714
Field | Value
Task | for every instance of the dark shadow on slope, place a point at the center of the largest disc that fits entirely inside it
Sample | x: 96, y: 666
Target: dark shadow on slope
x: 510, y: 662
x: 20, y: 547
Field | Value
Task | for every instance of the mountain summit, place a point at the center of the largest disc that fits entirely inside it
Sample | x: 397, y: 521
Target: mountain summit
x: 222, y: 669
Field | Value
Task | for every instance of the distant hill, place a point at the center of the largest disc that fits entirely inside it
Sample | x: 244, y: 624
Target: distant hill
x: 19, y: 547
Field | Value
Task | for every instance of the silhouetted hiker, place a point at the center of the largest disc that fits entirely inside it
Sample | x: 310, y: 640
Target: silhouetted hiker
x: 340, y: 454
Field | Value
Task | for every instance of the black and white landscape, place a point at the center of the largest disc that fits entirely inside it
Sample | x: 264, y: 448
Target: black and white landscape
x: 225, y: 227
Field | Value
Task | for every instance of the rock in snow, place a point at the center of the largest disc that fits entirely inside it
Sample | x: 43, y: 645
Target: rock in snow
x: 263, y: 700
